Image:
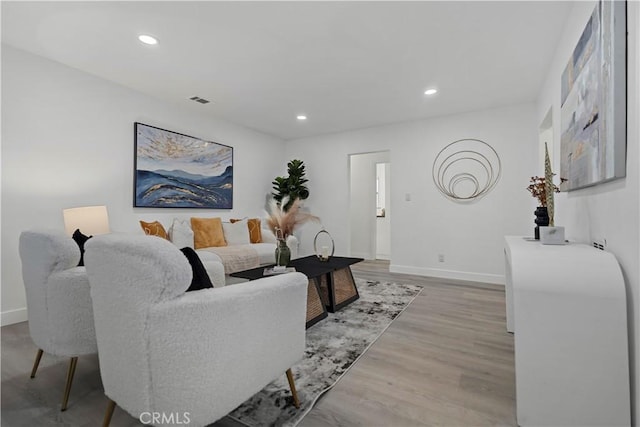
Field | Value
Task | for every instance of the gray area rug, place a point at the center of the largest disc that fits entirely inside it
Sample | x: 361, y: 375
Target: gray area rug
x: 333, y: 345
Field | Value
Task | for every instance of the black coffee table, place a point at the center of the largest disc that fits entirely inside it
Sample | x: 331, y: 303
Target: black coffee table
x: 331, y: 283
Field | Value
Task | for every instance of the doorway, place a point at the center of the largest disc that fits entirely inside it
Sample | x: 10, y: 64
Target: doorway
x: 369, y: 205
x: 383, y: 213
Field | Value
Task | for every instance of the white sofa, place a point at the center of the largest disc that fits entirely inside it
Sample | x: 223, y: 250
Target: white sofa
x: 265, y: 251
x: 162, y: 349
x: 236, y: 256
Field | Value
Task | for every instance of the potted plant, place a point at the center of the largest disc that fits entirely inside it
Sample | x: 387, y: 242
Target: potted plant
x: 543, y: 189
x: 293, y: 187
x: 284, y: 207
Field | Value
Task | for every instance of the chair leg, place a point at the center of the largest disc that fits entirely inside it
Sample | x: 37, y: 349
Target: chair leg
x: 36, y: 363
x: 67, y: 387
x: 109, y: 413
x: 292, y: 386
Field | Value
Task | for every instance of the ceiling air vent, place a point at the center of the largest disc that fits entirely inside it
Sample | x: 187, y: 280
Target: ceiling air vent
x: 200, y: 100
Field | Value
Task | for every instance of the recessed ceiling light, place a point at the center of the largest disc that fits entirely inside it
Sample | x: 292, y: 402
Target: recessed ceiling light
x: 431, y: 91
x: 301, y: 117
x: 147, y: 39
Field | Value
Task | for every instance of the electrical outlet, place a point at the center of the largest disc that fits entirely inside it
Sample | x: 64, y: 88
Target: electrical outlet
x: 441, y: 258
x: 600, y: 244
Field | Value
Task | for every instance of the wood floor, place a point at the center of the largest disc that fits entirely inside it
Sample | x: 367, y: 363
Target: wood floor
x: 446, y: 361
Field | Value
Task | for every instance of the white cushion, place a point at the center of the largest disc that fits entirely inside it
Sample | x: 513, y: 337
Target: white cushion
x: 215, y: 271
x: 206, y: 255
x: 268, y: 236
x: 181, y: 234
x: 266, y: 252
x: 213, y: 264
x: 236, y: 233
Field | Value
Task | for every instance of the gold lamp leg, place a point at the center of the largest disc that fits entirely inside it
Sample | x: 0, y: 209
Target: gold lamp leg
x: 36, y: 363
x: 67, y: 388
x: 292, y: 386
x: 109, y: 413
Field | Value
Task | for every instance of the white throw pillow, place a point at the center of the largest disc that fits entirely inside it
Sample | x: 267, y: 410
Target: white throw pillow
x: 236, y: 233
x: 181, y: 234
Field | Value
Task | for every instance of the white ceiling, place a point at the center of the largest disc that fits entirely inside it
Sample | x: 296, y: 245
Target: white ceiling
x: 346, y: 65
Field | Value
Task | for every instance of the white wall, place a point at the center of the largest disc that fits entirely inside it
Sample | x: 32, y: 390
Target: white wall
x: 67, y: 140
x: 362, y: 203
x: 469, y: 235
x: 545, y: 137
x: 608, y: 211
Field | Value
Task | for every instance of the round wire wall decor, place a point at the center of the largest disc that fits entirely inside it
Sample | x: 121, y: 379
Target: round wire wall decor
x: 466, y: 169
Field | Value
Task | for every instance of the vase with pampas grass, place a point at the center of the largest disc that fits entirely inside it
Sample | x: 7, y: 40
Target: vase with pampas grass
x: 544, y: 189
x: 283, y: 223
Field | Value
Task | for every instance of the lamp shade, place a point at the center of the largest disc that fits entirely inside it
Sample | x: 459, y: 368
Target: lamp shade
x: 90, y: 220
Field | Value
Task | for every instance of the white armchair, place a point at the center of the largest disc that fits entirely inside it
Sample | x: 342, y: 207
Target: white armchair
x: 58, y: 300
x: 162, y: 350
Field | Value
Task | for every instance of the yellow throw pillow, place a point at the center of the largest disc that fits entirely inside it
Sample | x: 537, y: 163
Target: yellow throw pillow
x: 207, y: 232
x: 255, y: 231
x: 153, y: 229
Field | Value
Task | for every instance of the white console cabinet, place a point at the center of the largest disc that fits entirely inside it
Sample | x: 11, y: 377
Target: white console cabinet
x: 567, y: 308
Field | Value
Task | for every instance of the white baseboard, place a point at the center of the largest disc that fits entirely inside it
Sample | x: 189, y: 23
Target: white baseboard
x: 497, y: 279
x: 362, y: 255
x: 10, y: 317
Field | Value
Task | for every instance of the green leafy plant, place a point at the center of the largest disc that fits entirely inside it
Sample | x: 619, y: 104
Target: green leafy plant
x: 292, y: 187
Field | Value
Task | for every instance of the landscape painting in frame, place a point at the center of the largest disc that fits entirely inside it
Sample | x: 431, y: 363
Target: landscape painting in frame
x: 173, y: 170
x: 593, y: 101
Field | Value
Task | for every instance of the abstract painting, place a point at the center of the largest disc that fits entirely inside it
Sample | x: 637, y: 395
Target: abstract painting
x: 593, y: 101
x: 173, y: 170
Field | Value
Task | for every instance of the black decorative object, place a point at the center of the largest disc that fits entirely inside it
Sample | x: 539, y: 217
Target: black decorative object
x: 200, y: 278
x: 466, y: 169
x: 542, y: 220
x: 80, y: 238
